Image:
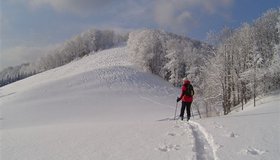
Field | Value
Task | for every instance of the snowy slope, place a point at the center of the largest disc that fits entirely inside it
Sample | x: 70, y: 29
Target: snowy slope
x: 250, y: 134
x: 101, y: 87
x: 103, y: 107
x: 99, y: 107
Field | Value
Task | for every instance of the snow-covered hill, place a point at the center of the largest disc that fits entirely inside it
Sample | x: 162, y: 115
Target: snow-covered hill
x: 104, y: 107
x: 101, y: 87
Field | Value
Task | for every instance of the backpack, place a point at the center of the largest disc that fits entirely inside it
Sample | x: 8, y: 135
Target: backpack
x: 189, y: 91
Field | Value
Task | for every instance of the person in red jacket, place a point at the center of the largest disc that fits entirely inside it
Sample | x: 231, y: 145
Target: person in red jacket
x: 187, y: 98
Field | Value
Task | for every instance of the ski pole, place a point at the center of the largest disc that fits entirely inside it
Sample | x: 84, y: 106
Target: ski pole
x: 192, y: 112
x: 176, y: 110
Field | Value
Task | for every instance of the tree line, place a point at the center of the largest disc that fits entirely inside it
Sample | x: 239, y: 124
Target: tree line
x: 81, y: 45
x: 246, y: 63
x: 238, y: 65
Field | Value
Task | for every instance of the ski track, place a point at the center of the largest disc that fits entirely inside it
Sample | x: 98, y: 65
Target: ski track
x: 205, y: 147
x: 203, y: 144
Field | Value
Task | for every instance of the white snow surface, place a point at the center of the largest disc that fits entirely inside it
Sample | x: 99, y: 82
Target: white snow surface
x: 103, y: 107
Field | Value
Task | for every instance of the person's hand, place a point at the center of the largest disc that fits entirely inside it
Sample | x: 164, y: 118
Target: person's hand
x: 178, y: 99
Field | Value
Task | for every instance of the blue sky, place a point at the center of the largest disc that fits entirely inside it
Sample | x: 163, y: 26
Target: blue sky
x: 31, y: 27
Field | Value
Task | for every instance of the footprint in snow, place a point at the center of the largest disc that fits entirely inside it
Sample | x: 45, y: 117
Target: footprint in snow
x: 217, y: 125
x: 167, y: 148
x: 171, y: 134
x: 233, y: 135
x: 253, y: 151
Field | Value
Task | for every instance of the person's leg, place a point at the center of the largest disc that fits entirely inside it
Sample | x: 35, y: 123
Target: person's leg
x: 183, y: 110
x: 188, y: 104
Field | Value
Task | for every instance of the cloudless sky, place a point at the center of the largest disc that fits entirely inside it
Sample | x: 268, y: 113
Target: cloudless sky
x: 30, y: 27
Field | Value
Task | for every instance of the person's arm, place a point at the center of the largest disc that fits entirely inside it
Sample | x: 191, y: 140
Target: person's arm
x: 182, y: 94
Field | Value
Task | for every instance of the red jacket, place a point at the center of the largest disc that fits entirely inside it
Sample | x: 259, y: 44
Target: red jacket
x: 184, y: 97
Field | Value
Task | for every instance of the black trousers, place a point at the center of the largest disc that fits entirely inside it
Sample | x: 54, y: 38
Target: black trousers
x: 184, y: 106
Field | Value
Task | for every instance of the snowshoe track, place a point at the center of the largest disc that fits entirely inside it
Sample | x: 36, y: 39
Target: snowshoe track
x: 204, y: 145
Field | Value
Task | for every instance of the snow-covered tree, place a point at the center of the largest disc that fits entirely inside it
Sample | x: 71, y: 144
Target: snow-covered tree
x: 245, y: 59
x: 83, y: 44
x: 146, y: 46
x: 170, y: 56
x: 174, y: 65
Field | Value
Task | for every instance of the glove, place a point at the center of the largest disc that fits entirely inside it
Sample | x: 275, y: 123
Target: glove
x: 178, y: 99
